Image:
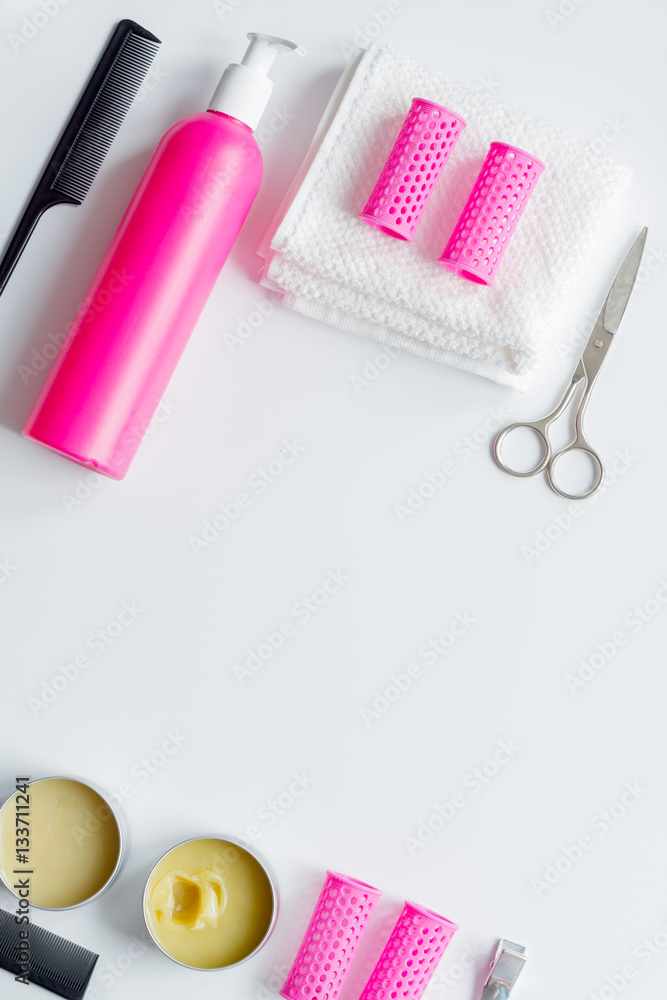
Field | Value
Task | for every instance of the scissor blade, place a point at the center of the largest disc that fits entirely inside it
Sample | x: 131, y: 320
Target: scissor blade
x: 621, y: 289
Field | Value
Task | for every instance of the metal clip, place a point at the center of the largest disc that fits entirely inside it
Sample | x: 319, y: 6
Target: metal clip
x: 507, y: 964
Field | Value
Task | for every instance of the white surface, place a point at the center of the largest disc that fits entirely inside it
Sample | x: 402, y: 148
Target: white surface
x: 333, y: 509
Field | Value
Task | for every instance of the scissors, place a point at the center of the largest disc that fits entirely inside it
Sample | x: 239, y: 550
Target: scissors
x: 588, y: 366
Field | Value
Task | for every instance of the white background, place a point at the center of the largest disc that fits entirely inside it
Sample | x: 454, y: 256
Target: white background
x: 76, y: 547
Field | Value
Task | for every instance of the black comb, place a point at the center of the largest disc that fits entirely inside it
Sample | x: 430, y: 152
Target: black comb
x: 89, y: 132
x: 54, y: 963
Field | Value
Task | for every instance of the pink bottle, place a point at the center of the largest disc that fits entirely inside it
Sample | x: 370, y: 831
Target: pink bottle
x: 157, y: 274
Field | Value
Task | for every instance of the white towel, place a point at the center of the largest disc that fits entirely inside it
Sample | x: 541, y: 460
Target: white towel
x: 331, y: 266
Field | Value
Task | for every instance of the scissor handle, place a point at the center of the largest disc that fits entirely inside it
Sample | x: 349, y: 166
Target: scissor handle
x: 579, y: 444
x: 539, y: 427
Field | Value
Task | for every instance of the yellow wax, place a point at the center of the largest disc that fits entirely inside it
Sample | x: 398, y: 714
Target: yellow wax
x: 208, y: 903
x: 74, y: 842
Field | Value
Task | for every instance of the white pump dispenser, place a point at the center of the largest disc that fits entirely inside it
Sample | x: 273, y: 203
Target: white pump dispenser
x: 245, y: 88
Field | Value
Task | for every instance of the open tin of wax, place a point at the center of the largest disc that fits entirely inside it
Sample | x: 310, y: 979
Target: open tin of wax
x: 210, y: 903
x: 63, y: 842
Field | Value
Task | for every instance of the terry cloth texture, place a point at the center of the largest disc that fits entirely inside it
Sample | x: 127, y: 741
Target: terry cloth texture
x: 328, y: 264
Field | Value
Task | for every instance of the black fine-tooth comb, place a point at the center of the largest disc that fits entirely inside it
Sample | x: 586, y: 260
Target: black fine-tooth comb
x: 89, y: 132
x: 45, y: 959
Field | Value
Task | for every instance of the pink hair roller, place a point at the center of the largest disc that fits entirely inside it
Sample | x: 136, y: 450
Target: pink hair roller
x: 491, y: 214
x: 330, y: 942
x: 425, y: 142
x: 411, y: 955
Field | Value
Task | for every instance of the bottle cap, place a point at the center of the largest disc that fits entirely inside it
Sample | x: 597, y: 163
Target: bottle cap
x: 245, y: 88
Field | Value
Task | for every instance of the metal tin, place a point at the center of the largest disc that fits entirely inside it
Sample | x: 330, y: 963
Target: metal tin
x: 123, y: 832
x: 224, y: 839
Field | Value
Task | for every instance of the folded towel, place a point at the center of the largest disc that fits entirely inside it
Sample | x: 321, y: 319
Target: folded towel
x: 329, y: 265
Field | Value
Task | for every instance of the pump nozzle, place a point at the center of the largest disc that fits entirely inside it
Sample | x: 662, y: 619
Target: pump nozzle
x: 245, y: 88
x: 263, y: 49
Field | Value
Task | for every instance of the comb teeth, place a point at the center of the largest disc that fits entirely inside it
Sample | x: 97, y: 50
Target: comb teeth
x: 56, y: 964
x: 106, y: 115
